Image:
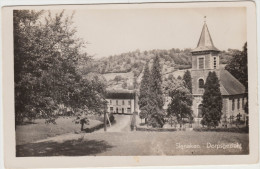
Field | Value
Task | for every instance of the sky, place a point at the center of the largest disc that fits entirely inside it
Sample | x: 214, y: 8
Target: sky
x: 114, y: 31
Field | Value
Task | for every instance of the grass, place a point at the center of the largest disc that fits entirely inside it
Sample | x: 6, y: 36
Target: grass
x: 138, y: 144
x: 38, y: 130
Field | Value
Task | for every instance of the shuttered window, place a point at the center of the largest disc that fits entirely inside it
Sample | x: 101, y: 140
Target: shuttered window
x: 201, y: 63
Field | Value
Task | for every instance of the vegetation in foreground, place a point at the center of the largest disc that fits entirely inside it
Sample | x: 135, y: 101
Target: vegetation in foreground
x: 48, y: 67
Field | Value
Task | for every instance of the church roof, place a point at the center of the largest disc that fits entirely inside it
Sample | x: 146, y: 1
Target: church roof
x: 229, y: 85
x: 205, y: 42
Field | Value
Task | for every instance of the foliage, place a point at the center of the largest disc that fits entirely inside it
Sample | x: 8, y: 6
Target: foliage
x: 142, y: 115
x: 212, y: 101
x: 118, y: 78
x: 144, y: 88
x: 143, y: 100
x: 237, y: 66
x: 187, y: 80
x: 124, y: 85
x: 156, y: 118
x: 156, y: 83
x: 47, y: 57
x: 181, y: 102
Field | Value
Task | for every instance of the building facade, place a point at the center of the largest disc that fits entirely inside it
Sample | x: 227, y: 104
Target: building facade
x: 121, y: 102
x: 205, y: 58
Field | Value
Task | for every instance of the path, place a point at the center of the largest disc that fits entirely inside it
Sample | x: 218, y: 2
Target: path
x: 122, y: 124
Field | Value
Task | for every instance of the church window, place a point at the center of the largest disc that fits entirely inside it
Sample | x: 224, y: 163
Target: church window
x: 200, y: 111
x: 215, y: 62
x: 201, y: 83
x: 233, y: 104
x: 238, y: 103
x: 201, y: 63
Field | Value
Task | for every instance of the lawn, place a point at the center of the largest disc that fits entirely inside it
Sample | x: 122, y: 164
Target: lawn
x: 38, y: 130
x: 137, y: 144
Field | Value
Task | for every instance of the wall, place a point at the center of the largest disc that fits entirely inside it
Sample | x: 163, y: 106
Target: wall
x: 120, y: 105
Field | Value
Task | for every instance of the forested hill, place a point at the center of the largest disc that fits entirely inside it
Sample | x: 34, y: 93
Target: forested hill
x: 135, y: 60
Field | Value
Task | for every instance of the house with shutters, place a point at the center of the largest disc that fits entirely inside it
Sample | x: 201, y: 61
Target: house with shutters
x: 205, y: 58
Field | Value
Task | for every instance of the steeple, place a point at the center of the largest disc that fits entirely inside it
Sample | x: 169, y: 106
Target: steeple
x: 205, y: 42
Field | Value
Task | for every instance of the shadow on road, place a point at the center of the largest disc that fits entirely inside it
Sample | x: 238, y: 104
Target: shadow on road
x: 67, y: 148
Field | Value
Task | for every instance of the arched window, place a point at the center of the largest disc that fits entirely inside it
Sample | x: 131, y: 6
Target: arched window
x: 200, y: 111
x: 201, y: 83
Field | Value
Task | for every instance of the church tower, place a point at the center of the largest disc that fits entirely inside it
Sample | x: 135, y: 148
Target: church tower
x: 205, y: 58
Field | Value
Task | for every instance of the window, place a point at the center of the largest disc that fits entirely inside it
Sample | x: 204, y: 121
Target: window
x: 110, y: 101
x: 238, y: 103
x: 123, y: 102
x: 215, y: 62
x: 200, y: 111
x: 128, y: 110
x: 201, y: 83
x: 123, y: 110
x: 233, y: 104
x: 117, y: 110
x: 116, y: 102
x: 201, y: 63
x: 129, y: 102
x: 111, y: 109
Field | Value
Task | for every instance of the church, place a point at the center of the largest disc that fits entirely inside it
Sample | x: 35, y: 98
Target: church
x: 205, y: 58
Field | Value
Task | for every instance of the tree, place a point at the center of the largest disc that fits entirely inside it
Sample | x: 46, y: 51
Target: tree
x: 156, y: 112
x: 238, y: 66
x: 212, y: 101
x: 144, y: 91
x: 118, y: 78
x: 47, y: 55
x: 124, y: 85
x: 187, y: 80
x: 180, y: 106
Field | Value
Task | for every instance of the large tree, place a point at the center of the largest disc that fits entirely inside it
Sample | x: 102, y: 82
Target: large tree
x: 47, y: 54
x: 238, y: 66
x: 187, y: 80
x: 180, y: 106
x: 212, y: 101
x: 157, y: 115
x: 144, y: 92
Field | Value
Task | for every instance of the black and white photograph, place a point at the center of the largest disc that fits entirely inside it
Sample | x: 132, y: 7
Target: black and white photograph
x: 131, y: 81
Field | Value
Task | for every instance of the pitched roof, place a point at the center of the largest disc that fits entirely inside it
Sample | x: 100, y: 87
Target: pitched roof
x: 229, y: 85
x: 120, y: 94
x: 205, y: 42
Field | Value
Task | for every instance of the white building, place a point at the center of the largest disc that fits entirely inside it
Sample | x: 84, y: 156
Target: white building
x: 122, y: 102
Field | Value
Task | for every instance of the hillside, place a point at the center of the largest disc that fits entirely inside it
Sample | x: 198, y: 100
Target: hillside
x: 125, y: 70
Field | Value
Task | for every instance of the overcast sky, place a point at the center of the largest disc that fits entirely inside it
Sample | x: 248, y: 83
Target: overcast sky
x: 114, y: 31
